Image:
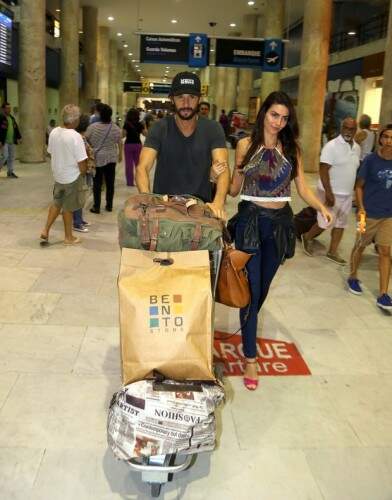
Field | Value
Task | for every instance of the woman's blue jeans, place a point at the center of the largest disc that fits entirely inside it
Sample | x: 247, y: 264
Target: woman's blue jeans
x: 261, y: 267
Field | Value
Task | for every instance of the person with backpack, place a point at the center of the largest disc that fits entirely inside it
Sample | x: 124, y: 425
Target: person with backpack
x: 105, y: 139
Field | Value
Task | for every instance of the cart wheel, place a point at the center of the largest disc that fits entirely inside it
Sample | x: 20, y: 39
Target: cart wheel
x: 155, y: 489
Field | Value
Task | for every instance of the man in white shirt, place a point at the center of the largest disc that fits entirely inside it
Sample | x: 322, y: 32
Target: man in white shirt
x: 69, y: 164
x: 339, y: 162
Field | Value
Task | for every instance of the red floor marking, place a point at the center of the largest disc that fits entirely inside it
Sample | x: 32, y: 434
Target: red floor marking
x: 274, y: 357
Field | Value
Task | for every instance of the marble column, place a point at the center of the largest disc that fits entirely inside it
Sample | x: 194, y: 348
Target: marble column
x: 220, y: 86
x: 313, y: 78
x: 273, y: 28
x: 69, y: 30
x: 120, y: 80
x: 90, y: 37
x: 113, y: 75
x: 103, y: 55
x: 31, y: 81
x: 245, y: 75
x: 386, y: 100
x: 231, y: 89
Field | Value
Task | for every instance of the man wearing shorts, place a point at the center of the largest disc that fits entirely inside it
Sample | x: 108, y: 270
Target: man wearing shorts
x: 373, y: 191
x: 69, y: 164
x: 339, y: 162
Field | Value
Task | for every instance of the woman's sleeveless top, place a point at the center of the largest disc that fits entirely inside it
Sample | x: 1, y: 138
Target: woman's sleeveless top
x: 267, y: 177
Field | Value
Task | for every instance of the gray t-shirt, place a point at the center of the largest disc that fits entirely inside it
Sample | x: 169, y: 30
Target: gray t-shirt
x: 184, y: 163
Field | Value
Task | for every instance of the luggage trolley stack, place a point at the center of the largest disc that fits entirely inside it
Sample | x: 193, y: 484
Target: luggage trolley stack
x: 164, y: 414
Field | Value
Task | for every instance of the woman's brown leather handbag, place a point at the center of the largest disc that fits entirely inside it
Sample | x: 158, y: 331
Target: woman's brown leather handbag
x: 233, y: 288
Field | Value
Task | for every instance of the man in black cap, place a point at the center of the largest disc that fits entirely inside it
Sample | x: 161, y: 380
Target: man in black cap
x: 185, y: 146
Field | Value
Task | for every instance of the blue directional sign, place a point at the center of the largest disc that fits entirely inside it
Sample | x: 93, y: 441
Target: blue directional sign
x: 198, y: 50
x: 273, y: 55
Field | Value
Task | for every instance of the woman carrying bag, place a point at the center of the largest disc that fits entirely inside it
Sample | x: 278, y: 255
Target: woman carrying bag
x: 105, y: 138
x: 266, y: 163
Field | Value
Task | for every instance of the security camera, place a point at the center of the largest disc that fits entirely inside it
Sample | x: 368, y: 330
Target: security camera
x: 212, y: 24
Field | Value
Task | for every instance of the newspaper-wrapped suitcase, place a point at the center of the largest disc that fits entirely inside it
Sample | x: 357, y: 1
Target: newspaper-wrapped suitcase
x: 147, y: 419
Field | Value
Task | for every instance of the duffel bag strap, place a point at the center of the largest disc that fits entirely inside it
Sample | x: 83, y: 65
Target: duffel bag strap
x: 145, y: 239
x: 154, y: 235
x: 196, y: 237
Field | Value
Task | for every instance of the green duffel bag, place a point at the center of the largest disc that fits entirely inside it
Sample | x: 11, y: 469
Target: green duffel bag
x: 168, y: 224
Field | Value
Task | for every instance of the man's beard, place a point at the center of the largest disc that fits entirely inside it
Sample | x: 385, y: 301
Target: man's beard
x: 188, y: 117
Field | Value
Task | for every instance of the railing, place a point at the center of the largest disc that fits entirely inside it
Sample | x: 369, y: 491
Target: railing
x: 374, y: 29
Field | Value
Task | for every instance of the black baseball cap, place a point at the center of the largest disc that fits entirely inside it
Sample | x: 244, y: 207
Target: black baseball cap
x: 186, y: 83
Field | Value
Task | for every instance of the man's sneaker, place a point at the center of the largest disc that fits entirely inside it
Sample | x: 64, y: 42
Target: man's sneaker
x: 307, y: 245
x: 335, y: 258
x: 81, y: 229
x: 13, y: 175
x: 354, y: 286
x: 85, y: 223
x: 384, y: 301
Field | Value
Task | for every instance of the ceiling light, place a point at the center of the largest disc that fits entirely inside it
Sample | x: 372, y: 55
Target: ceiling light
x: 133, y: 60
x: 137, y: 66
x: 232, y: 25
x: 119, y: 34
x: 110, y: 18
x: 58, y: 10
x: 125, y: 45
x: 167, y: 67
x: 251, y: 2
x: 138, y: 70
x: 212, y: 50
x: 352, y: 33
x: 80, y: 32
x: 130, y: 54
x: 174, y: 21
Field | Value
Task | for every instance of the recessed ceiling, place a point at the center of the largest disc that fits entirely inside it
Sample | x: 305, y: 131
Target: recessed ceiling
x: 155, y: 16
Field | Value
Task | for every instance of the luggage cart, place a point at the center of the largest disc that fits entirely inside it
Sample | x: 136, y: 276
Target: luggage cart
x: 158, y: 470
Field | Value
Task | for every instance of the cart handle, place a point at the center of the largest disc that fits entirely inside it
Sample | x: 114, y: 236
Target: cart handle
x: 170, y: 469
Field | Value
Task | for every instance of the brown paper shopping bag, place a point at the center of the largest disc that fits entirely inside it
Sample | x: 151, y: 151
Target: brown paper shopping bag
x: 165, y: 315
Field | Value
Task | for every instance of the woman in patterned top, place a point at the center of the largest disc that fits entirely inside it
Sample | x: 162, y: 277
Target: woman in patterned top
x: 266, y: 163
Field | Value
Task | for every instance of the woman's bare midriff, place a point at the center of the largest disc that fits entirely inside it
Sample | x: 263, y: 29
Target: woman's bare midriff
x: 270, y: 204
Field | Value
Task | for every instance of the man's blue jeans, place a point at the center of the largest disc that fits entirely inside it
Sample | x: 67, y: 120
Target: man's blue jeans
x: 9, y: 157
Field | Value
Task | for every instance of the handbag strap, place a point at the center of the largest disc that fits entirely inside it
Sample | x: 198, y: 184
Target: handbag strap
x: 104, y: 139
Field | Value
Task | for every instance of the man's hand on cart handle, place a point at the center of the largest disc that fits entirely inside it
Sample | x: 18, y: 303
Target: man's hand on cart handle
x: 217, y: 210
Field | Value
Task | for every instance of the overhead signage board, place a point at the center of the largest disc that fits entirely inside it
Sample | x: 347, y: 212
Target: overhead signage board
x: 239, y: 53
x: 273, y: 55
x: 134, y: 86
x: 5, y: 37
x: 198, y: 50
x: 146, y: 87
x: 164, y: 49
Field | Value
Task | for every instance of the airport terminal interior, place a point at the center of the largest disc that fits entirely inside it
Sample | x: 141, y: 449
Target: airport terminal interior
x: 319, y: 425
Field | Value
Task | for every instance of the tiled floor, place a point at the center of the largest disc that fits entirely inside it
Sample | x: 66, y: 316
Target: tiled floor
x: 326, y: 436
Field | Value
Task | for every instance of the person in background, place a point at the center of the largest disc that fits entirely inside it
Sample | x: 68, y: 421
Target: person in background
x: 105, y: 138
x: 133, y: 145
x: 373, y: 191
x: 69, y: 164
x: 339, y: 163
x: 79, y: 224
x: 204, y: 109
x: 365, y: 137
x: 224, y: 121
x: 95, y: 113
x: 9, y: 137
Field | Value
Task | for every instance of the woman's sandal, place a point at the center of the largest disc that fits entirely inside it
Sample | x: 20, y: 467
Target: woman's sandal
x: 251, y: 383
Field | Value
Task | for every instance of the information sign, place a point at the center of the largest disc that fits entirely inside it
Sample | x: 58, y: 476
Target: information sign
x: 164, y: 49
x: 239, y: 53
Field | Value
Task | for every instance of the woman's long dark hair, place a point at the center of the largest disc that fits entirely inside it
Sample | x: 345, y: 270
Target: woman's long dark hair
x: 288, y: 136
x: 133, y: 117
